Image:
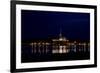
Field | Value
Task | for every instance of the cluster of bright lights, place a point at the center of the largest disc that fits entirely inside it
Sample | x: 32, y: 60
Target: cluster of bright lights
x: 60, y: 45
x: 36, y: 47
x: 58, y: 48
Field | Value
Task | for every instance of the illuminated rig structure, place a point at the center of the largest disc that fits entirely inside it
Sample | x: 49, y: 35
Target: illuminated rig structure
x: 60, y: 45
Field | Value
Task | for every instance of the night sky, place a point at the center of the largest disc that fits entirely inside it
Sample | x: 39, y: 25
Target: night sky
x: 45, y: 24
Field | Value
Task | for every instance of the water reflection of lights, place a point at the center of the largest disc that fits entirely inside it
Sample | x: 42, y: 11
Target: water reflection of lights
x: 60, y: 45
x: 45, y: 47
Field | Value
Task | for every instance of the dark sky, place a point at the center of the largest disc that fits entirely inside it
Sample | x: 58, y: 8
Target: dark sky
x: 45, y: 24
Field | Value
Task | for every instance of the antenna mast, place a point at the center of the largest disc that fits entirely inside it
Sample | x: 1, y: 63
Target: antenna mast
x: 60, y: 34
